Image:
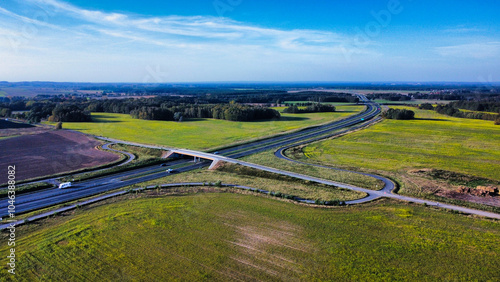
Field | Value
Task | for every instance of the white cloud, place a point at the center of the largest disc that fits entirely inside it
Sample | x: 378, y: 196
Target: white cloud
x: 226, y: 47
x: 29, y: 20
x: 88, y: 15
x: 196, y: 28
x: 463, y: 29
x: 472, y: 50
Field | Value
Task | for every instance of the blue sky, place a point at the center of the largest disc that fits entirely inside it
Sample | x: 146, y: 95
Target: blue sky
x: 243, y: 40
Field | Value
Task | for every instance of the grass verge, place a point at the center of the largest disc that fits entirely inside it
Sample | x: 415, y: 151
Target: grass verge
x: 21, y: 189
x: 268, y: 159
x: 113, y: 170
x: 235, y: 174
x: 141, y: 153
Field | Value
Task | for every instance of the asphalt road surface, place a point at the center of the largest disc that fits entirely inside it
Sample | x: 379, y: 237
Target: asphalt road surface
x: 130, y: 156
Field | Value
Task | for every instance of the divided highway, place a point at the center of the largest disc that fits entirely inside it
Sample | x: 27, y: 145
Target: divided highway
x: 50, y: 197
x: 54, y: 196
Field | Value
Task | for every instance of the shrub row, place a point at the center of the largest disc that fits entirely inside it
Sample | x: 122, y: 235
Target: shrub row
x: 398, y: 114
x: 283, y: 195
x: 330, y: 203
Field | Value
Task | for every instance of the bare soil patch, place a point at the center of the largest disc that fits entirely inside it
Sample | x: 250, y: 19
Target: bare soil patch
x: 485, y: 200
x: 455, y: 186
x: 51, y: 152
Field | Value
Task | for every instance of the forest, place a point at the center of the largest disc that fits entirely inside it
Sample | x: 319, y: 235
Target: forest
x: 227, y: 104
x: 78, y: 110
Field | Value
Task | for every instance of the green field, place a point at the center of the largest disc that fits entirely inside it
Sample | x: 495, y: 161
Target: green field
x: 232, y: 236
x: 430, y: 141
x: 200, y: 134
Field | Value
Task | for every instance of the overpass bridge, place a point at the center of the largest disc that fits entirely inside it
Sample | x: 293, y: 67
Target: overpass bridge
x: 171, y: 151
x: 199, y: 155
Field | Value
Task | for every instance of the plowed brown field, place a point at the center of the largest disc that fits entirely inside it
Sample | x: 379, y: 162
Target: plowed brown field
x: 50, y: 153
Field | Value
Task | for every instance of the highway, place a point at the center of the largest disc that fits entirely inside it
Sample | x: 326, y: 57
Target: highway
x: 54, y: 196
x: 50, y: 197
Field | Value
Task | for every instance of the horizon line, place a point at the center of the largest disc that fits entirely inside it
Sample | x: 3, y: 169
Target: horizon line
x: 258, y: 82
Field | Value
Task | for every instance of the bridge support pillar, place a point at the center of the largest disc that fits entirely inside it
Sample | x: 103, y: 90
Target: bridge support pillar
x: 168, y: 154
x: 214, y: 164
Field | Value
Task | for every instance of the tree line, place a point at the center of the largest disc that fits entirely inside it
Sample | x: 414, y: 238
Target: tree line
x: 460, y: 96
x: 161, y: 108
x: 158, y: 108
x: 232, y: 112
x: 490, y: 105
x: 390, y: 97
x: 314, y: 108
x: 320, y: 97
x: 190, y: 103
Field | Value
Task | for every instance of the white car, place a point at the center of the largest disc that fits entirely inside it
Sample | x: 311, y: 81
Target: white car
x: 65, y: 185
